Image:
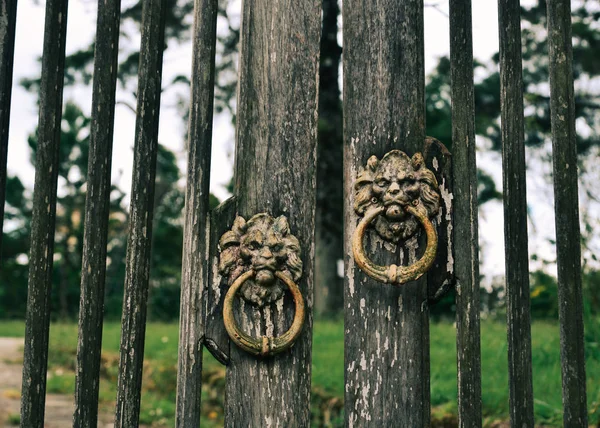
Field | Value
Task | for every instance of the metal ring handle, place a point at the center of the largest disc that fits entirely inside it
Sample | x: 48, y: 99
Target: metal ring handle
x: 395, y: 274
x: 265, y: 345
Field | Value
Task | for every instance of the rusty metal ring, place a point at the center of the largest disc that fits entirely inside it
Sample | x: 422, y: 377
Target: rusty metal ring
x: 264, y: 346
x: 395, y: 274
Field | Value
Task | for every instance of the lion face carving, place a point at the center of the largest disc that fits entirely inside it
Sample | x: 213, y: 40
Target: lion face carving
x: 394, y: 182
x: 265, y: 245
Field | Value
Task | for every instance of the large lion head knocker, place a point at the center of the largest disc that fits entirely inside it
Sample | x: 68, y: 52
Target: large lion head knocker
x: 395, y: 195
x: 260, y: 257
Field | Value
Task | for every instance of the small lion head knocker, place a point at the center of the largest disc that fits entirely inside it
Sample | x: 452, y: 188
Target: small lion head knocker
x: 260, y: 257
x: 265, y: 245
x: 395, y: 195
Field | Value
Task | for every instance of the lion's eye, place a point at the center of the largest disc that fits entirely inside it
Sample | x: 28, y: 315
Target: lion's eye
x: 254, y: 245
x: 276, y: 248
x: 382, y: 183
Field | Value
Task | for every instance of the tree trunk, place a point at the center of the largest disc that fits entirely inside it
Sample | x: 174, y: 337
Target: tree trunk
x: 329, y: 291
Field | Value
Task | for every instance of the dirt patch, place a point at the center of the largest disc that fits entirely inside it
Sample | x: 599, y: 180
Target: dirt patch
x: 59, y: 408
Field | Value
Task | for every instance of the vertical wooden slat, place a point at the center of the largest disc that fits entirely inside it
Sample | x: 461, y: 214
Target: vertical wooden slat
x: 465, y: 214
x: 37, y: 318
x: 568, y: 238
x: 386, y: 327
x: 440, y: 277
x: 97, y: 205
x: 8, y: 18
x: 276, y: 173
x: 216, y: 339
x: 195, y: 260
x: 137, y: 274
x: 515, y: 215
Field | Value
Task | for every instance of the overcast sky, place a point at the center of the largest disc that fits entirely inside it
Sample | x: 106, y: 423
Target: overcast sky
x: 80, y: 32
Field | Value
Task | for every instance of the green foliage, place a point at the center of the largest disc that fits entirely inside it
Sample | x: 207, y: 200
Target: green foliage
x: 437, y: 103
x: 591, y: 316
x: 14, y: 419
x: 439, y: 117
x: 544, y: 296
x: 586, y: 68
x: 167, y: 248
x: 73, y: 163
x: 15, y: 248
x: 169, y: 196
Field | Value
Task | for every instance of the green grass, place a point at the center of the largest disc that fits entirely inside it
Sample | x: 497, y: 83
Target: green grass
x: 158, y: 399
x: 14, y: 420
x: 12, y: 328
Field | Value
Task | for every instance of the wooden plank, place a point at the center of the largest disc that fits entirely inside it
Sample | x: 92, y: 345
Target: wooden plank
x: 139, y: 242
x: 465, y: 214
x: 518, y: 317
x: 276, y: 173
x: 37, y: 318
x: 440, y: 277
x: 566, y: 205
x: 216, y: 339
x: 8, y: 18
x: 386, y: 327
x: 97, y: 206
x: 195, y: 251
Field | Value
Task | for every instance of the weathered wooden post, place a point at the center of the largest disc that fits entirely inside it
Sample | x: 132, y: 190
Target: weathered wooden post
x: 515, y: 215
x: 97, y: 207
x: 139, y: 239
x: 386, y: 325
x: 466, y: 228
x: 568, y: 236
x: 268, y: 254
x: 194, y: 267
x: 8, y: 18
x: 43, y: 219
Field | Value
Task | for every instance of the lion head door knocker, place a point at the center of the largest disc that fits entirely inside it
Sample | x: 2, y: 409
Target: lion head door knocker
x: 260, y: 257
x: 396, y: 195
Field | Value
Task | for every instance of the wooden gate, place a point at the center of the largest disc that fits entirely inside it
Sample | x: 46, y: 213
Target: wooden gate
x: 410, y: 216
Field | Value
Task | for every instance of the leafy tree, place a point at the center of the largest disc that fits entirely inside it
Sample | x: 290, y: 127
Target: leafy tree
x: 167, y: 236
x: 439, y: 116
x: 169, y: 195
x: 586, y: 67
x: 73, y: 163
x: 168, y: 232
x: 14, y: 260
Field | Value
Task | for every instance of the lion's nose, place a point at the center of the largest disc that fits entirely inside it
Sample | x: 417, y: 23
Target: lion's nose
x: 266, y: 253
x: 394, y: 188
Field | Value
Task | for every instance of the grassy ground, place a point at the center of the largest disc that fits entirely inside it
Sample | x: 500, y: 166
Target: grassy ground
x: 328, y: 377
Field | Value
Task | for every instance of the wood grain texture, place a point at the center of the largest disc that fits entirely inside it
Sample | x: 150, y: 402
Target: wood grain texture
x: 216, y: 339
x: 386, y: 327
x: 43, y: 220
x: 518, y: 317
x: 195, y: 251
x: 8, y: 18
x: 139, y: 240
x: 276, y: 173
x: 465, y: 215
x: 568, y: 238
x: 440, y: 277
x: 97, y: 205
